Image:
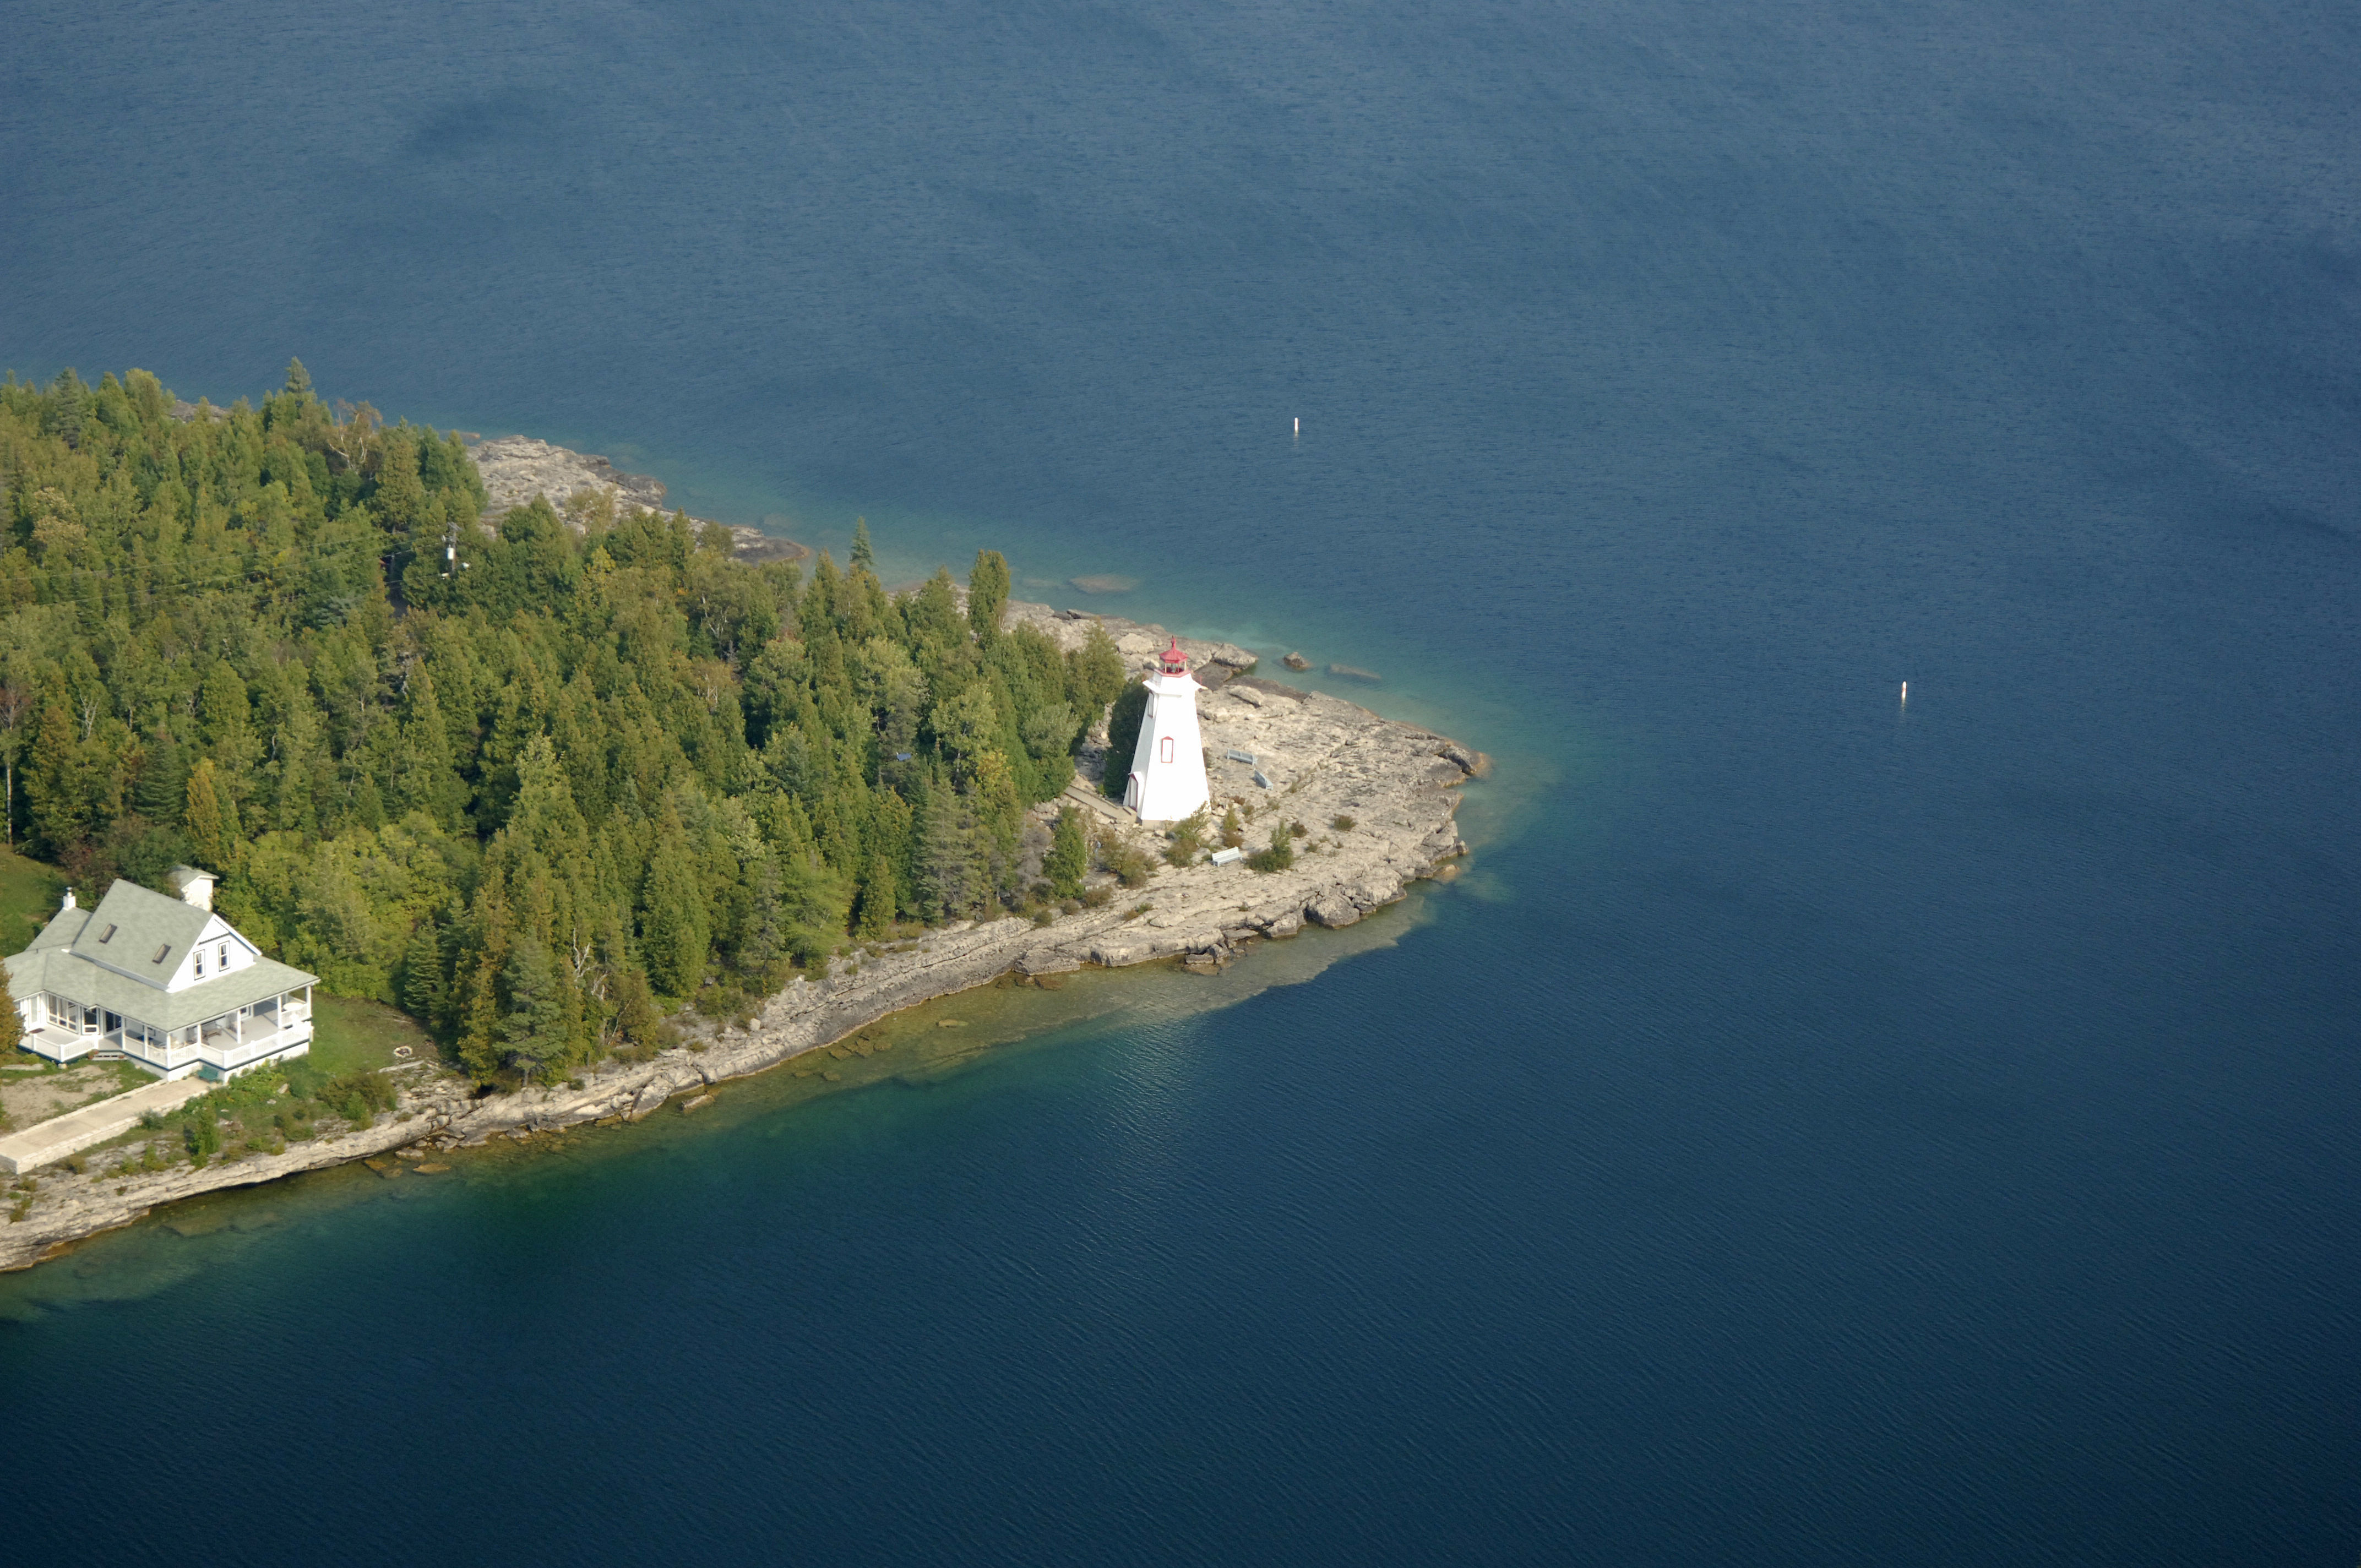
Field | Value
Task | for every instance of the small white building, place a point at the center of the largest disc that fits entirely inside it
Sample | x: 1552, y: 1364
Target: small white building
x: 1167, y: 766
x: 160, y: 980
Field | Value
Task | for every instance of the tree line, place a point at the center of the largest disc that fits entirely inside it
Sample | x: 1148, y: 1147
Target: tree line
x: 535, y: 779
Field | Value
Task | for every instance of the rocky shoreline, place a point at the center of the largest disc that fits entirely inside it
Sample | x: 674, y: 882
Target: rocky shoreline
x: 1376, y: 799
x: 515, y: 468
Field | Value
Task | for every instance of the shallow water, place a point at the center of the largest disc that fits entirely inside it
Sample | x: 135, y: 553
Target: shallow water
x: 1814, y: 1131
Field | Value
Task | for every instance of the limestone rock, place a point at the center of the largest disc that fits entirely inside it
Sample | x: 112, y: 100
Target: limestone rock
x: 1333, y: 909
x: 1296, y: 662
x: 518, y: 467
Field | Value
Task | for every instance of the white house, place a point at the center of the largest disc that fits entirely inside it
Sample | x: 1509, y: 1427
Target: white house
x: 163, y: 982
x: 1167, y: 766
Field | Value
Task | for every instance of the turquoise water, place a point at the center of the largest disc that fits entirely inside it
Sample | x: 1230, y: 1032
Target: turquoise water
x: 1815, y: 1132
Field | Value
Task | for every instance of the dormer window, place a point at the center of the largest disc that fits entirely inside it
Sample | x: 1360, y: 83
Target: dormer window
x: 201, y: 963
x: 162, y: 953
x: 106, y: 936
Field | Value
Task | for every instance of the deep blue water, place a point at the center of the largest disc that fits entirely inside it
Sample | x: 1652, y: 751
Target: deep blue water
x: 1813, y: 1133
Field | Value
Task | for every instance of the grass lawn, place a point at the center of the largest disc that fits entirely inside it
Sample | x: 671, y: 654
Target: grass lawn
x: 28, y: 1099
x: 29, y: 891
x: 348, y: 1034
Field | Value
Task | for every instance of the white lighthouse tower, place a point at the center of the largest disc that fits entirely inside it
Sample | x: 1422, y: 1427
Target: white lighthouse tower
x: 1168, y: 767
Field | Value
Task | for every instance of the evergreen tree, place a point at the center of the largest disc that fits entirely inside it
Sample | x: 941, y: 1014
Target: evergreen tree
x: 635, y: 1009
x: 987, y: 591
x: 295, y: 770
x: 954, y: 873
x: 879, y: 898
x: 423, y: 778
x: 865, y: 559
x: 1130, y: 711
x: 1000, y: 815
x: 674, y: 930
x: 12, y: 1023
x: 212, y: 817
x: 54, y: 784
x: 1069, y: 857
x: 1095, y: 677
x: 422, y: 980
x: 162, y: 792
x: 543, y: 1009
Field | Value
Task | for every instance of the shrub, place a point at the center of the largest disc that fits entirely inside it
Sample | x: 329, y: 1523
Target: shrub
x: 1343, y: 824
x: 1069, y: 856
x: 1232, y: 834
x: 1188, y: 838
x: 1130, y: 865
x: 202, y: 1134
x: 1280, y: 856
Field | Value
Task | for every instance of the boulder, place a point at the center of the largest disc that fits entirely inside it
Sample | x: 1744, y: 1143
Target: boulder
x: 1471, y: 761
x: 1296, y: 662
x: 1333, y: 909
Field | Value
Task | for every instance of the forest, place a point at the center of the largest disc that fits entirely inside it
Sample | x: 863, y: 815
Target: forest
x: 539, y: 780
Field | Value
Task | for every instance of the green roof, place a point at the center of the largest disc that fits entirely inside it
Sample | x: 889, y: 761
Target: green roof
x: 70, y: 959
x: 61, y: 973
x: 144, y: 934
x: 63, y: 928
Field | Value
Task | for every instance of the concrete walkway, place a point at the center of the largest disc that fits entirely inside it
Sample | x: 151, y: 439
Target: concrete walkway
x: 58, y: 1137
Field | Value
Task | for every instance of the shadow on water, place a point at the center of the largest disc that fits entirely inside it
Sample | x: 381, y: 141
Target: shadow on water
x: 940, y: 1044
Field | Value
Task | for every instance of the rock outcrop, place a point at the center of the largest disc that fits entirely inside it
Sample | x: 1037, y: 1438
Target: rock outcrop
x: 518, y: 467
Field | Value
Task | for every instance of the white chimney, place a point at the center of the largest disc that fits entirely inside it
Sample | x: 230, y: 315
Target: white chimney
x: 69, y: 903
x: 195, y: 887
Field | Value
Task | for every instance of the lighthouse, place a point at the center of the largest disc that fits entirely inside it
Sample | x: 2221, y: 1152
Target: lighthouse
x: 1168, y: 767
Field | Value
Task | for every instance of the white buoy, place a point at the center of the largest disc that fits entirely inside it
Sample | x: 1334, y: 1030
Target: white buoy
x: 1298, y: 427
x: 1906, y: 691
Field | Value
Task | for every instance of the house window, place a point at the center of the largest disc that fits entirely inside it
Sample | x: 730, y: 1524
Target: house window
x: 1164, y: 750
x: 201, y: 963
x: 224, y: 958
